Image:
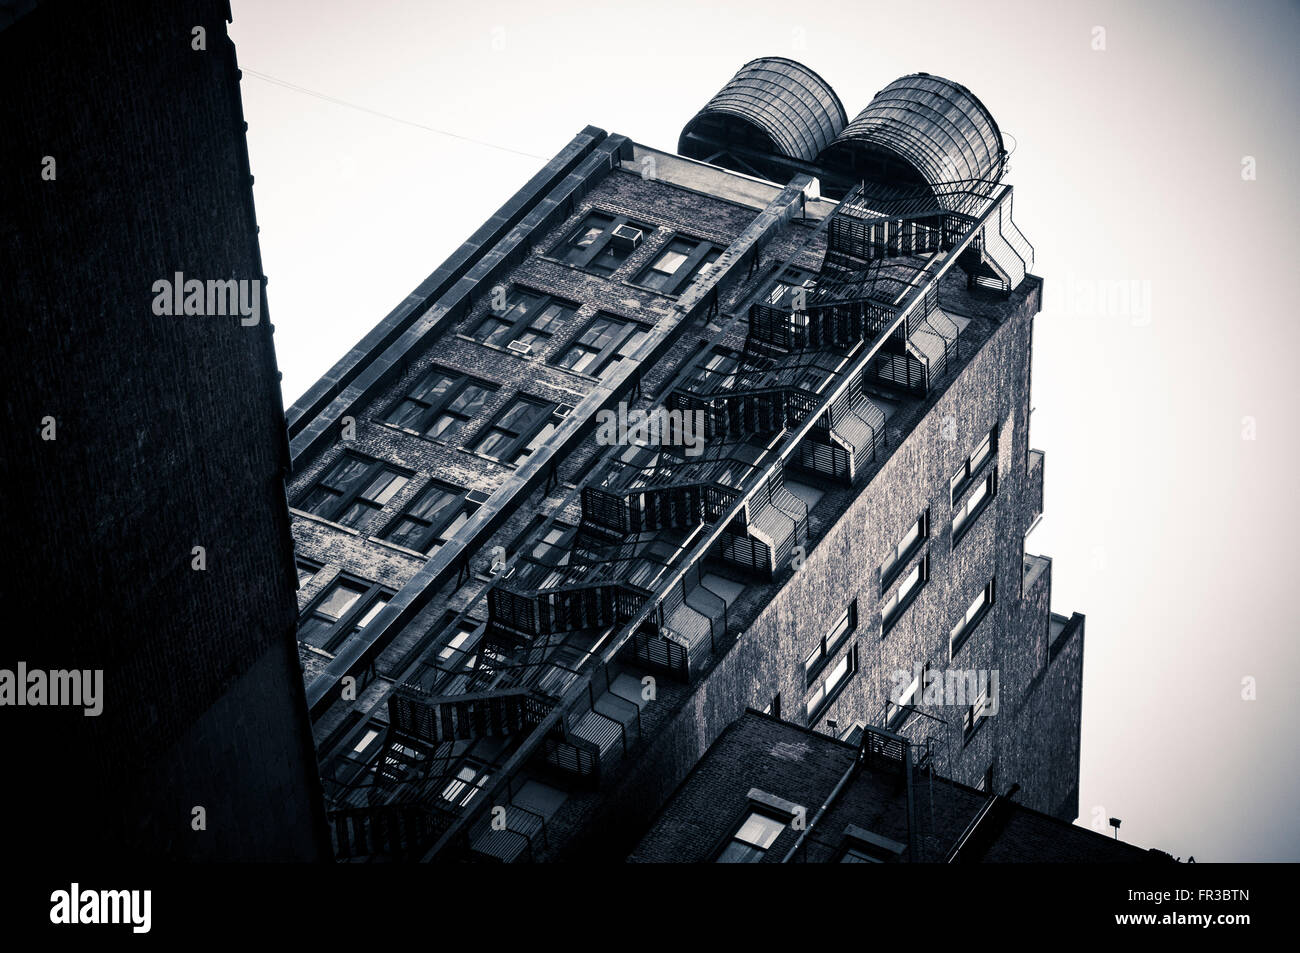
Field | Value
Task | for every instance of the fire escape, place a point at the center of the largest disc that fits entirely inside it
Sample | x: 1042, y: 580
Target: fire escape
x: 645, y: 505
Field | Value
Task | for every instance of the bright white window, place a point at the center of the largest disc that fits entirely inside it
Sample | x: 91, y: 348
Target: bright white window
x: 973, y: 502
x: 903, y: 548
x: 961, y: 631
x: 751, y: 841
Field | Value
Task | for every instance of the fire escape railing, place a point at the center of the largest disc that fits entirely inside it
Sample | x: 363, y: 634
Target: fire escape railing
x: 874, y: 306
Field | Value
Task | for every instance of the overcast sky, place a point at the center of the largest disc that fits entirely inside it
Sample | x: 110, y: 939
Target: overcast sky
x: 1167, y: 412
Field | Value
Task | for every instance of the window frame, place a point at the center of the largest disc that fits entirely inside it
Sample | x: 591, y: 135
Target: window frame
x: 889, y: 615
x: 342, y: 628
x: 608, y: 356
x: 814, y: 710
x: 458, y: 504
x: 757, y: 854
x: 423, y: 422
x: 518, y: 439
x: 560, y: 250
x: 907, y: 701
x: 787, y: 279
x: 894, y: 564
x: 692, y: 266
x: 301, y: 563
x: 965, y: 516
x: 523, y: 322
x: 871, y: 847
x: 963, y: 630
x: 970, y: 468
x: 774, y: 707
x: 816, y: 661
x: 343, y: 501
x: 466, y: 789
x: 974, y: 717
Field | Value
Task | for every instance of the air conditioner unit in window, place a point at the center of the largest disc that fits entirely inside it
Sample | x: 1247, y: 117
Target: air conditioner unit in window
x: 626, y: 237
x: 477, y: 497
x: 520, y: 347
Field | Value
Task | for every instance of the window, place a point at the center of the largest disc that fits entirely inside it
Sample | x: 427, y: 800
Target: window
x: 963, y: 517
x: 830, y: 642
x: 352, y: 489
x: 792, y: 290
x: 459, y: 645
x: 341, y: 731
x: 440, y: 403
x: 518, y: 431
x: 902, y: 597
x: 864, y: 847
x: 966, y: 625
x: 366, y: 739
x: 344, y: 608
x: 967, y: 471
x: 830, y: 687
x: 469, y: 780
x: 902, y: 705
x: 306, y: 571
x: 603, y: 343
x: 752, y: 839
x: 431, y: 519
x: 681, y: 261
x: 601, y: 242
x: 976, y: 714
x: 720, y: 369
x: 526, y: 321
x: 904, y: 550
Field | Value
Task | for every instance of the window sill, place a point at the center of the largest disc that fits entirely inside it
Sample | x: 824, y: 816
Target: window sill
x: 407, y: 432
x: 583, y: 268
x: 405, y: 551
x: 673, y: 295
x: 530, y: 356
x: 323, y: 521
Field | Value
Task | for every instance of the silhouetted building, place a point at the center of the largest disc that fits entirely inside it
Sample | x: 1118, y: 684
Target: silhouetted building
x: 144, y: 509
x: 672, y: 437
x: 768, y: 791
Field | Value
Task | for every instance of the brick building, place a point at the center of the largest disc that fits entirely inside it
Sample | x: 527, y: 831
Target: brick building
x: 769, y: 791
x: 525, y: 619
x: 144, y: 509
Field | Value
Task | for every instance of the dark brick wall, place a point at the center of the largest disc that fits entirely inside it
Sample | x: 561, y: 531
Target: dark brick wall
x: 170, y: 436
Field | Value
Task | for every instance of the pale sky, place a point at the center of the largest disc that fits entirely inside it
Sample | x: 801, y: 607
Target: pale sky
x: 1168, y: 337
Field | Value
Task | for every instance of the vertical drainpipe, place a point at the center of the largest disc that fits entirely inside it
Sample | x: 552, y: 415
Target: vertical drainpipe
x: 913, y: 854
